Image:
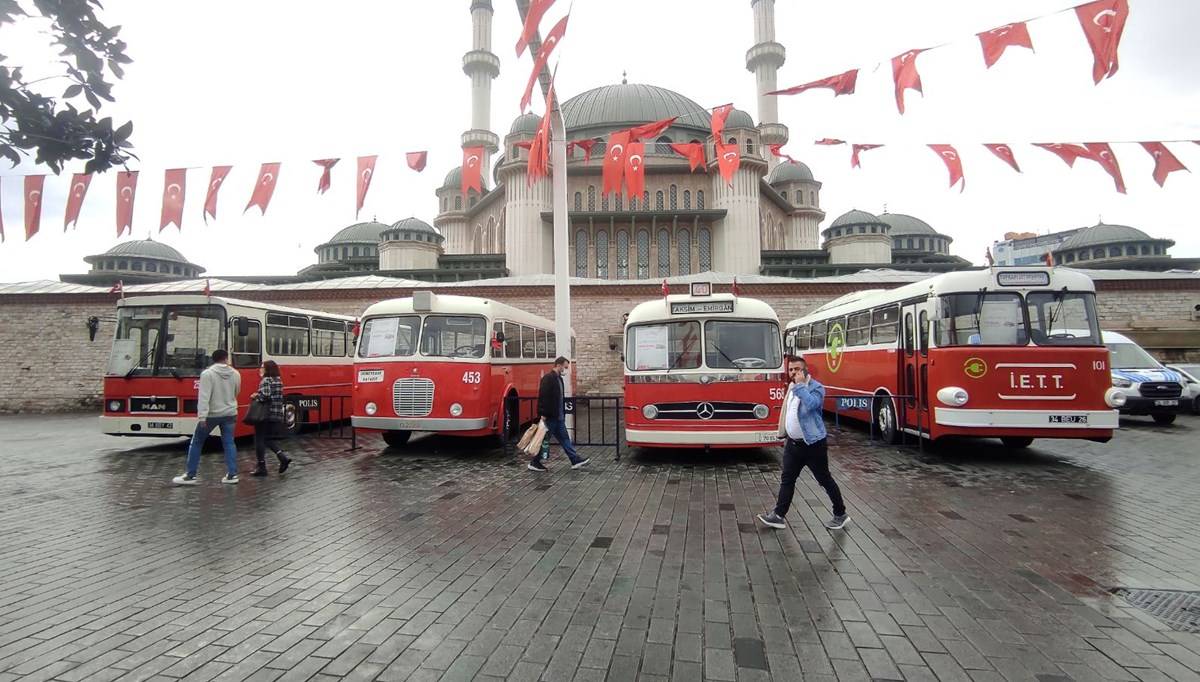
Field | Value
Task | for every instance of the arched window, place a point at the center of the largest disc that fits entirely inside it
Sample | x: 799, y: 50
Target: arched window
x: 620, y: 202
x: 643, y: 254
x: 445, y: 204
x: 687, y: 199
x: 1145, y: 252
x: 700, y: 199
x: 477, y: 240
x: 598, y: 147
x: 783, y: 194
x: 473, y: 200
x: 604, y: 203
x: 658, y: 200
x: 732, y: 141
x: 749, y: 146
x: 622, y: 255
x: 489, y: 237
x: 1114, y: 251
x: 581, y: 254
x: 674, y: 197
x: 683, y: 242
x: 579, y: 201
x: 602, y: 254
x: 663, y: 145
x: 633, y: 203
x: 354, y: 251
x: 646, y: 200
x: 458, y: 203
x: 704, y: 247
x: 1098, y: 253
x: 591, y: 197
x: 664, y: 253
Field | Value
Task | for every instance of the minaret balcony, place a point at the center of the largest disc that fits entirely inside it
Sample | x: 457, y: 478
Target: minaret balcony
x: 773, y: 133
x: 481, y: 138
x: 769, y: 53
x: 481, y: 61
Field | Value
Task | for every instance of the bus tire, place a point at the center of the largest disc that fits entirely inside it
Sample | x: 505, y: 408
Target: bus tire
x: 1016, y: 442
x: 510, y: 422
x: 1164, y: 418
x: 885, y: 419
x: 396, y: 439
x: 291, y: 418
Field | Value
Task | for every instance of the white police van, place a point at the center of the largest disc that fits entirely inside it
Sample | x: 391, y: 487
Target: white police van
x: 1147, y: 386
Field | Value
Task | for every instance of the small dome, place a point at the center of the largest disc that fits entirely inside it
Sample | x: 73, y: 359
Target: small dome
x: 739, y: 119
x: 146, y: 248
x: 625, y: 104
x: 359, y: 232
x: 903, y: 225
x: 413, y: 225
x: 453, y: 178
x: 1101, y: 234
x: 525, y: 124
x: 790, y: 172
x: 855, y: 217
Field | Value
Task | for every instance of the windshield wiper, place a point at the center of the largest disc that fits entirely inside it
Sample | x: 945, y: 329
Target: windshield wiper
x: 731, y: 362
x: 1061, y: 297
x: 153, y: 350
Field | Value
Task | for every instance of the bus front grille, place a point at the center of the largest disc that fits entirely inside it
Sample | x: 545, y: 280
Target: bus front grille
x: 412, y: 397
x: 706, y: 410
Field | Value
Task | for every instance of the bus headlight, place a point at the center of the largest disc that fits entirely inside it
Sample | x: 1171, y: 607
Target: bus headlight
x: 1121, y: 382
x: 953, y: 396
x: 650, y: 412
x: 455, y: 410
x: 761, y: 411
x: 1114, y: 398
x: 372, y: 408
x: 116, y: 406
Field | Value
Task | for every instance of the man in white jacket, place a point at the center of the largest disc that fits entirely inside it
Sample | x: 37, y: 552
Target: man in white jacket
x: 217, y: 406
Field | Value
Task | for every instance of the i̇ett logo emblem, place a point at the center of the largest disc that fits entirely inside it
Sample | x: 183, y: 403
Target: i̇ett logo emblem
x: 975, y: 368
x: 835, y: 343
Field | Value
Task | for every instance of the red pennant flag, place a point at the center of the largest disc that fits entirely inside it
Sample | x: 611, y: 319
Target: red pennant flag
x: 126, y: 190
x: 214, y: 184
x: 856, y: 149
x: 33, y: 204
x: 733, y: 289
x: 1005, y: 153
x: 538, y: 165
x: 717, y: 123
x: 472, y: 169
x: 777, y: 151
x: 585, y: 145
x: 416, y: 160
x: 729, y: 159
x: 366, y: 170
x: 635, y: 169
x: 995, y: 41
x: 829, y: 141
x: 537, y: 9
x: 207, y: 288
x: 953, y: 163
x: 1103, y: 22
x: 1066, y: 152
x: 264, y: 187
x: 666, y: 290
x: 614, y: 161
x: 79, y: 187
x: 841, y: 84
x: 904, y: 72
x: 692, y: 151
x: 649, y: 130
x: 1102, y: 153
x: 990, y: 261
x: 324, y: 182
x: 543, y: 56
x: 1165, y: 162
x: 174, y: 190
x: 1048, y: 259
x: 118, y: 288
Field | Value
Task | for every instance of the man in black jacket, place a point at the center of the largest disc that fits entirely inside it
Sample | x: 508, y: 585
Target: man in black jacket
x: 552, y: 409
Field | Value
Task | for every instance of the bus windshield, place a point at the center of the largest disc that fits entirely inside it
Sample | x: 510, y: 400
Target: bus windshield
x: 980, y: 319
x: 670, y: 345
x: 1063, y: 318
x: 142, y: 347
x: 730, y: 344
x: 455, y: 336
x: 387, y: 337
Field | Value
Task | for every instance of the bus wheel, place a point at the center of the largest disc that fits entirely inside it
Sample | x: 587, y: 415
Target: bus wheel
x: 291, y: 418
x: 1164, y: 418
x: 1016, y: 442
x: 396, y: 439
x: 885, y: 420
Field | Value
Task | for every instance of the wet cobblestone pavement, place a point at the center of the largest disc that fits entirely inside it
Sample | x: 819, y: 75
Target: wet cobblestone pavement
x: 446, y: 561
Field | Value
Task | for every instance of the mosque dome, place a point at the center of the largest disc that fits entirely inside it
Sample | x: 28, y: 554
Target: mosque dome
x: 790, y: 172
x: 625, y: 104
x: 525, y: 124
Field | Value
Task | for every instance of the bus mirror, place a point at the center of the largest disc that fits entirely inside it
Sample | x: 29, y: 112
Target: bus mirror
x: 243, y: 327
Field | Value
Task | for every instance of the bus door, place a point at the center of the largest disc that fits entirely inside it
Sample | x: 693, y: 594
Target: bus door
x: 915, y: 364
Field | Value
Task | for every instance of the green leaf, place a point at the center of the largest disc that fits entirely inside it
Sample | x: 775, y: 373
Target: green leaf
x: 73, y: 91
x: 123, y: 132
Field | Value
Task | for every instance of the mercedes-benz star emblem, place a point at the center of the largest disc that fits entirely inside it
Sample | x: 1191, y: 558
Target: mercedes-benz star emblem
x: 705, y: 411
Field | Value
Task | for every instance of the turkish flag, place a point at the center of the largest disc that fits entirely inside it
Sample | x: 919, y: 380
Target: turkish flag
x: 585, y: 145
x: 325, y: 181
x: 174, y: 189
x: 614, y: 161
x: 953, y: 163
x: 1103, y: 22
x: 79, y: 187
x: 416, y: 160
x: 841, y: 84
x: 118, y: 288
x: 524, y: 144
x: 472, y: 170
x: 543, y: 56
x: 264, y: 187
x: 1048, y: 259
x: 829, y: 141
x: 719, y: 115
x: 1165, y: 162
x: 1005, y: 153
x: 538, y: 165
x: 635, y: 169
x: 666, y: 290
x: 995, y: 41
x: 904, y: 72
x: 33, y: 204
x: 366, y: 170
x: 1066, y: 152
x: 856, y: 149
x: 692, y: 151
x: 729, y: 159
x: 648, y: 130
x: 1102, y: 154
x: 777, y: 151
x: 126, y: 190
x: 214, y: 184
x: 537, y: 9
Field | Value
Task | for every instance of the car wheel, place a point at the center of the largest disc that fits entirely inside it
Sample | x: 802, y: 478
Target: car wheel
x: 396, y: 439
x: 1164, y: 418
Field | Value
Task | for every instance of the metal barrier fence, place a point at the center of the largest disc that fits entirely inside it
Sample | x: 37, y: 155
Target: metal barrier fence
x: 856, y: 401
x: 326, y: 417
x: 594, y: 420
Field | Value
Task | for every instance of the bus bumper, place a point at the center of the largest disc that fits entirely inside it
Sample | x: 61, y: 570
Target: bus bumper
x: 410, y: 424
x: 664, y: 438
x: 1026, y: 419
x: 148, y: 425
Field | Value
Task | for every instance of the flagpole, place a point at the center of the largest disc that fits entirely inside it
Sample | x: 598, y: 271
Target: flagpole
x: 562, y: 281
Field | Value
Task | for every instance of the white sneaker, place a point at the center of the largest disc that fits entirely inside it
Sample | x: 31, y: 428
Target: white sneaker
x: 184, y: 479
x: 580, y: 463
x: 231, y: 480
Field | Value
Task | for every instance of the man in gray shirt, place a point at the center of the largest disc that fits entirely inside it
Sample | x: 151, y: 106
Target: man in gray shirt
x: 217, y: 406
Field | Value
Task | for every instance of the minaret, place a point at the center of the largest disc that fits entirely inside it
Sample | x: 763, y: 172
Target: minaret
x: 764, y: 60
x: 482, y: 66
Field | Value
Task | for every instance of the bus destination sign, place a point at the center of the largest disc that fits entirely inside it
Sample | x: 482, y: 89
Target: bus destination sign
x: 1028, y: 278
x: 701, y: 308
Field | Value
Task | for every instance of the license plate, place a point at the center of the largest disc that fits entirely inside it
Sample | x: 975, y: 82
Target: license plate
x: 768, y: 438
x: 1068, y: 419
x: 1166, y: 403
x: 159, y: 425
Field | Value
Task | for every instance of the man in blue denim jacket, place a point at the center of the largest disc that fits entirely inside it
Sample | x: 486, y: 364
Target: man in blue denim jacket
x: 806, y: 446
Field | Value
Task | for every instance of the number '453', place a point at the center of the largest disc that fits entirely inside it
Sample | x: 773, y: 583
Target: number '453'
x: 472, y: 378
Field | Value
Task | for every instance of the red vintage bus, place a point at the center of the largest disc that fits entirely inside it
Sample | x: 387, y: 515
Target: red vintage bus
x: 162, y: 343
x: 703, y: 370
x: 1010, y: 353
x: 446, y: 364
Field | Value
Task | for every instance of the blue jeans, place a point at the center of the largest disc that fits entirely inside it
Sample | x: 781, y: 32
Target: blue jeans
x: 558, y: 427
x: 227, y: 425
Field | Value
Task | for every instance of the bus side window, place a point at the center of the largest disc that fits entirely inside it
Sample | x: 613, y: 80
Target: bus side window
x: 551, y: 345
x: 512, y: 341
x: 802, y: 334
x: 527, y: 343
x: 817, y: 337
x: 884, y: 324
x: 247, y: 350
x: 923, y: 330
x: 858, y: 332
x: 541, y: 343
x: 908, y: 334
x: 497, y: 332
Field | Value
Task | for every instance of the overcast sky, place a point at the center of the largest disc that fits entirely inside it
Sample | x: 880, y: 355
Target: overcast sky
x: 241, y: 83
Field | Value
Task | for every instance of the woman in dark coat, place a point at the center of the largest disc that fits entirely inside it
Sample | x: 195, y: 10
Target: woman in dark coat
x: 266, y: 434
